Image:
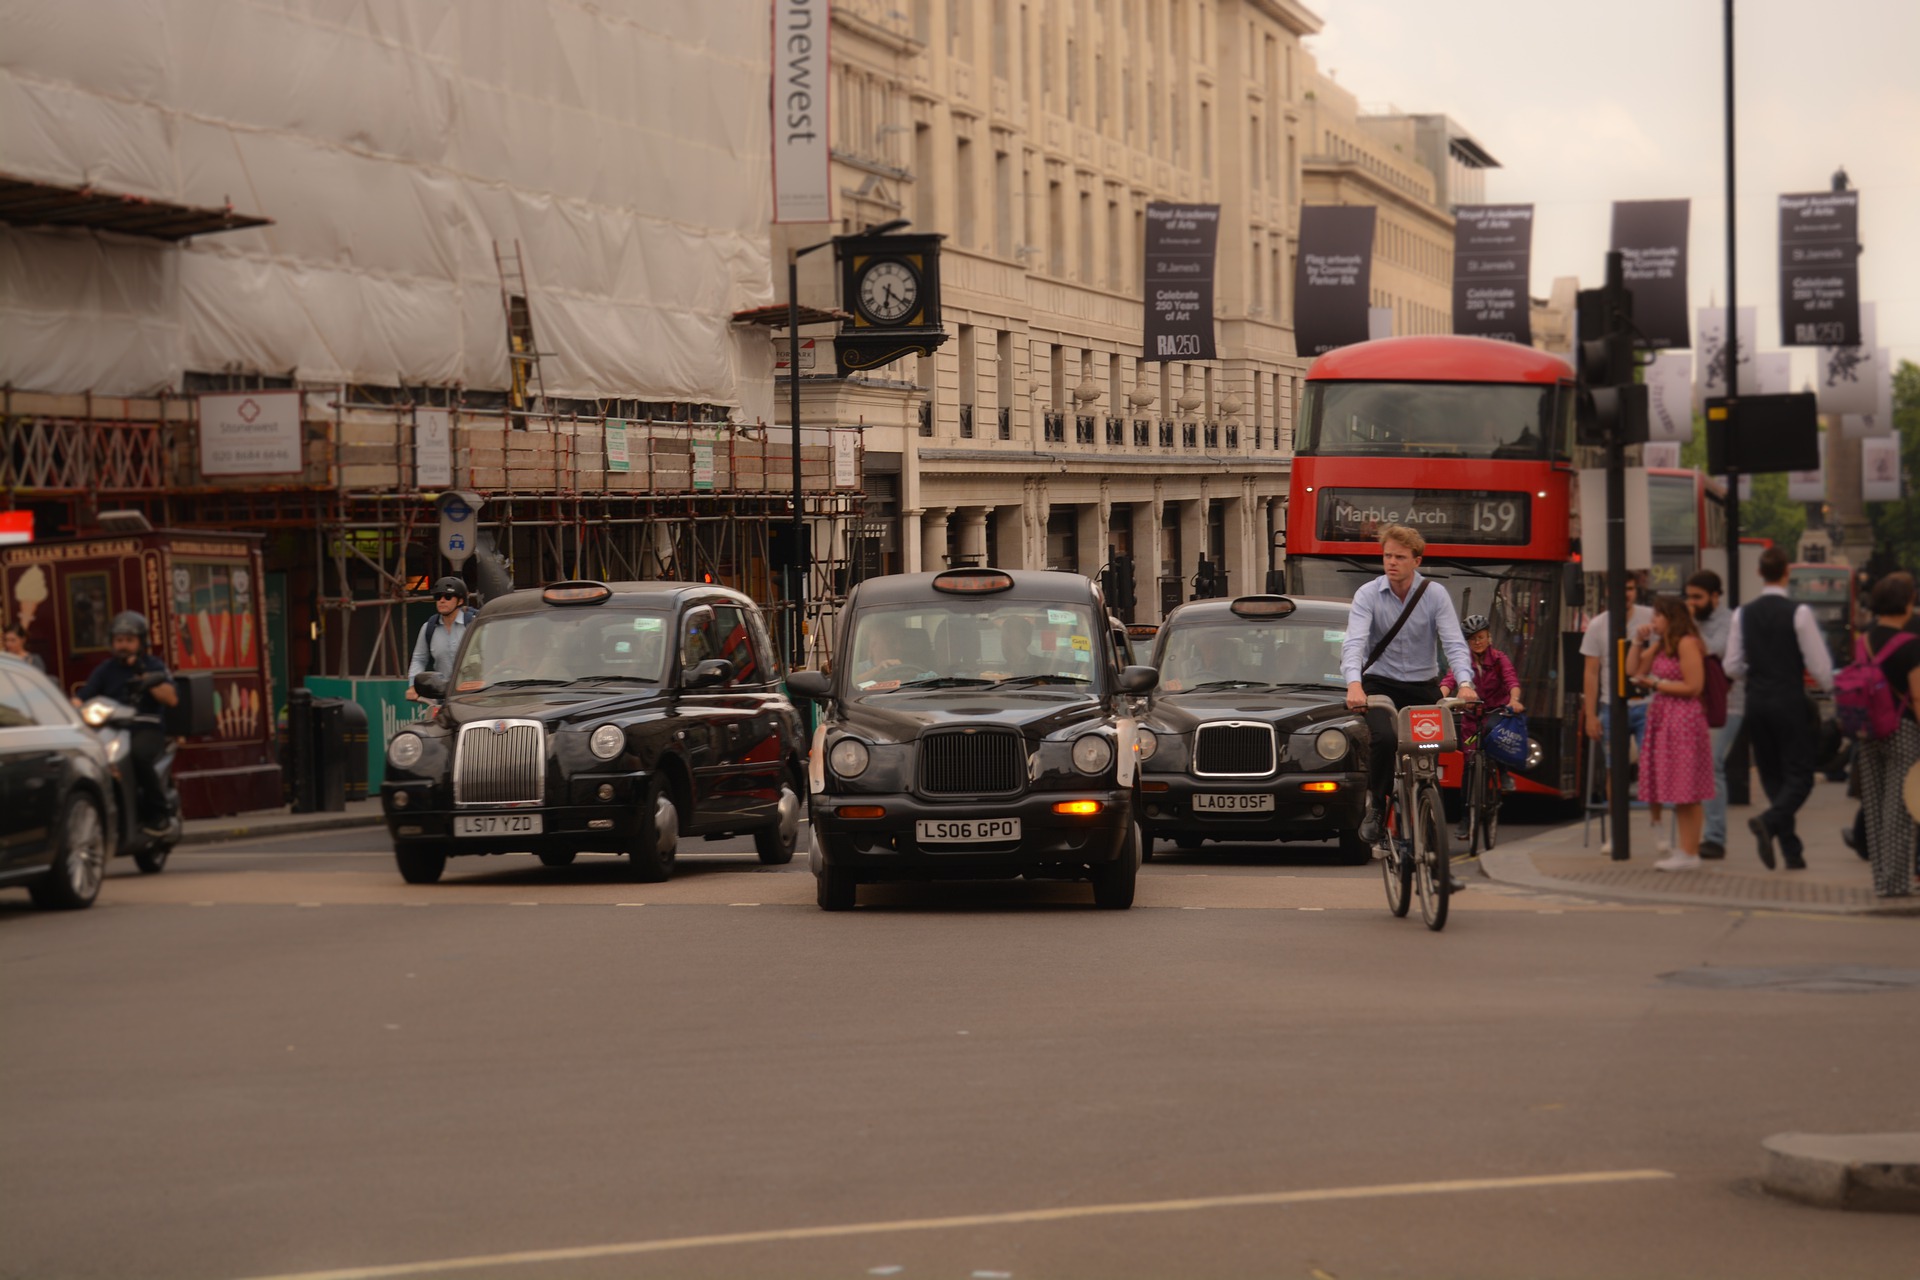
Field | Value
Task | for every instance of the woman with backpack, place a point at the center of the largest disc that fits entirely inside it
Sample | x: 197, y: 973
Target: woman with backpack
x: 1676, y: 765
x: 1883, y: 759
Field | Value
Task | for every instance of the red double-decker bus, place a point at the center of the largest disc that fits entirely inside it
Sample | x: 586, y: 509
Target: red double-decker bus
x: 1470, y: 441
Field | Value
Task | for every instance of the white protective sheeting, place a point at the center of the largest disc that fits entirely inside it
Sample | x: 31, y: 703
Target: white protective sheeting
x: 623, y: 144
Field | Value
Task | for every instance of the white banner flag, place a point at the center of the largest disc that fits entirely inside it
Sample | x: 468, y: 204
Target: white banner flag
x: 1845, y: 382
x: 1661, y: 454
x: 1772, y: 372
x: 1809, y: 486
x: 1669, y: 413
x: 1710, y: 374
x: 801, y: 163
x: 1880, y: 469
x: 1880, y: 422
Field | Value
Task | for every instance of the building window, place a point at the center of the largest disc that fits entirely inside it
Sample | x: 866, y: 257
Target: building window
x: 969, y: 381
x: 1056, y: 228
x: 1116, y: 278
x: 1002, y: 41
x: 923, y: 209
x: 1206, y: 140
x: 1086, y: 237
x: 1003, y: 242
x: 963, y: 188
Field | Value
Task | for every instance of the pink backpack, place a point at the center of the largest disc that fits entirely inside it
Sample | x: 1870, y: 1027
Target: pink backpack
x: 1863, y: 701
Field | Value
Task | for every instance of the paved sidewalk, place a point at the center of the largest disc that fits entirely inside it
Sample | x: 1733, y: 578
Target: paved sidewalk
x: 1836, y: 881
x: 267, y: 823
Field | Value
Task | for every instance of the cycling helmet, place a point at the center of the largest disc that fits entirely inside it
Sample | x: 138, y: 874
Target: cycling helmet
x: 129, y: 624
x: 456, y: 586
x: 1475, y: 624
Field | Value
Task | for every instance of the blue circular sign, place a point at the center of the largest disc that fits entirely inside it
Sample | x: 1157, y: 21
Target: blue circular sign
x: 456, y: 510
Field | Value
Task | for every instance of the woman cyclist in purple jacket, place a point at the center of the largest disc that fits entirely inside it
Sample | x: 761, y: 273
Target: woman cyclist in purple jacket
x: 1494, y: 679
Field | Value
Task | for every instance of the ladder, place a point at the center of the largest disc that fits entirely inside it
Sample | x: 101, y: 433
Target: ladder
x: 527, y: 392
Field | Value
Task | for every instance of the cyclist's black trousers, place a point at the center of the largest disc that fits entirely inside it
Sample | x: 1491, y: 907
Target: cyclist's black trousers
x: 1382, y: 726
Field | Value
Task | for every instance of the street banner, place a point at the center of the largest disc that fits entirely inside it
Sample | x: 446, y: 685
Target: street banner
x: 1332, y: 277
x: 1820, y: 269
x: 1847, y: 374
x: 1880, y: 421
x: 1181, y: 242
x: 846, y: 460
x: 1379, y: 322
x: 1593, y: 503
x: 1809, y: 486
x: 250, y: 433
x: 1651, y: 237
x: 1710, y: 369
x: 618, y: 454
x: 1670, y: 412
x: 702, y: 464
x: 1661, y: 453
x: 432, y: 448
x: 1880, y: 469
x: 801, y: 163
x: 1492, y: 248
x: 1772, y: 372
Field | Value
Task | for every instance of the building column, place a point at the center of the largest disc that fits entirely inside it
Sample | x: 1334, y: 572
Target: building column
x: 1037, y: 508
x: 1090, y: 538
x: 1193, y: 539
x: 909, y: 534
x: 973, y: 534
x: 1010, y: 531
x: 1147, y: 552
x: 933, y: 539
x: 1242, y: 577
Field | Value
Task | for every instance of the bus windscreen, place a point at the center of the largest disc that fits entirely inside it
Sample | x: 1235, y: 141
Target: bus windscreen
x: 1436, y: 419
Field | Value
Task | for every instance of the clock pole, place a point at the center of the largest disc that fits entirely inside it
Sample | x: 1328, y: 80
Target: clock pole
x: 797, y: 556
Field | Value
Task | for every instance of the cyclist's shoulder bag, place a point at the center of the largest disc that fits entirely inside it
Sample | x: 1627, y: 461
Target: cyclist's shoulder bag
x: 1406, y: 611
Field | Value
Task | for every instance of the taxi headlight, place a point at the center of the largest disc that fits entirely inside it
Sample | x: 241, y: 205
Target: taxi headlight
x: 1331, y: 744
x: 1146, y: 742
x: 1092, y: 753
x: 405, y: 750
x: 607, y: 742
x: 849, y: 757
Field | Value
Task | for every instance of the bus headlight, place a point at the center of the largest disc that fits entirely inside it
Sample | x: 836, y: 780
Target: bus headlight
x: 849, y: 757
x: 405, y: 750
x: 1146, y: 742
x: 1092, y: 753
x: 607, y: 742
x: 1331, y: 744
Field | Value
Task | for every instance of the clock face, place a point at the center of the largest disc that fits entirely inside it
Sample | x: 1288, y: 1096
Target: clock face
x: 889, y: 291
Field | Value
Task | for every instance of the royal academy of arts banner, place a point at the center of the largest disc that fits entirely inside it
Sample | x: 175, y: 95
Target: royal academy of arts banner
x: 1492, y: 248
x: 1182, y: 240
x: 1651, y: 238
x: 1820, y: 269
x: 1332, y: 277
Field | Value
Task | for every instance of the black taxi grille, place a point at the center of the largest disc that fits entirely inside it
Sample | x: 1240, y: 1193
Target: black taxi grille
x: 1233, y: 750
x: 981, y: 762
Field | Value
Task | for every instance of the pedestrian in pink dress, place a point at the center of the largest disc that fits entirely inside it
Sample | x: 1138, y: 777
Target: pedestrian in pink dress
x: 1669, y: 660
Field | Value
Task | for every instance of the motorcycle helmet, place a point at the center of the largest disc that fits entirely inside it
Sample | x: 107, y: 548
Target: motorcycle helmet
x: 1475, y: 624
x: 130, y: 623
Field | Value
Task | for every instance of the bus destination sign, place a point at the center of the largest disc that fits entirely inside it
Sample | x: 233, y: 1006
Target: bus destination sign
x: 1442, y: 515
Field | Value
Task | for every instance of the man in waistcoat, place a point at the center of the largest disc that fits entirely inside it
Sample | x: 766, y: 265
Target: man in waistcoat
x: 1774, y: 645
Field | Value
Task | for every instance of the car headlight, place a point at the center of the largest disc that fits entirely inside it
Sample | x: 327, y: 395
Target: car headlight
x: 405, y: 750
x: 849, y: 757
x: 1331, y: 744
x: 1145, y: 742
x: 607, y: 742
x: 1092, y: 753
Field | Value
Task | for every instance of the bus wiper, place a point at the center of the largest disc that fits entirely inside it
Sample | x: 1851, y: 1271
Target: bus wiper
x: 1049, y: 677
x: 941, y: 682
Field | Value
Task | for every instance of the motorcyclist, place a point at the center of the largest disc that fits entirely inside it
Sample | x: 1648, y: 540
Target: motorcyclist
x: 136, y: 678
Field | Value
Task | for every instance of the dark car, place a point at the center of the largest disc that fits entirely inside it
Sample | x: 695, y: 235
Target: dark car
x: 56, y: 793
x: 618, y: 717
x: 974, y: 728
x: 1248, y: 736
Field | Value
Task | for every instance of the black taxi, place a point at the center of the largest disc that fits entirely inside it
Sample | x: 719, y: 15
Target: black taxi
x: 975, y: 727
x: 1248, y: 736
x: 620, y: 717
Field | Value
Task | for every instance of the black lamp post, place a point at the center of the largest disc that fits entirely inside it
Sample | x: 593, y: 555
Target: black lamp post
x: 800, y: 560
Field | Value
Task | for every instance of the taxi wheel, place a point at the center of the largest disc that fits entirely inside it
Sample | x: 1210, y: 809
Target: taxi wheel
x: 775, y: 844
x: 420, y: 863
x: 835, y: 888
x: 656, y: 836
x: 1114, y: 882
x: 557, y: 857
x: 1354, y: 852
x: 1146, y: 847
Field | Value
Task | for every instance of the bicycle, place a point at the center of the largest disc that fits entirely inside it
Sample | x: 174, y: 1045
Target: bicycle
x: 1481, y: 786
x: 1419, y: 860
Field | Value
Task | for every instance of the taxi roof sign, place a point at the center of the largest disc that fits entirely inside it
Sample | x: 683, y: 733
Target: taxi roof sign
x: 577, y: 593
x: 1263, y: 606
x: 972, y: 581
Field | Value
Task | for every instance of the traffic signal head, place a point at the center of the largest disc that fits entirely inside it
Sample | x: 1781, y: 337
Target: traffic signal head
x: 1604, y: 413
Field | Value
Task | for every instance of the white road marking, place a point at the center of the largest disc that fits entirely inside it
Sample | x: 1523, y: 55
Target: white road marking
x: 1264, y: 1199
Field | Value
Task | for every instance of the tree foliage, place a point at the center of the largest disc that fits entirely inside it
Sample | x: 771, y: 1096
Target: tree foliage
x: 1896, y: 525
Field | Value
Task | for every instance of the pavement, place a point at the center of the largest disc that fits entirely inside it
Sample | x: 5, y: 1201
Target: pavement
x: 267, y: 823
x: 1837, y: 881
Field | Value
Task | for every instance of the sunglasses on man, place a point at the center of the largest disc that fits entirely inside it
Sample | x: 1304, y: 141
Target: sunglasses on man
x: 448, y: 595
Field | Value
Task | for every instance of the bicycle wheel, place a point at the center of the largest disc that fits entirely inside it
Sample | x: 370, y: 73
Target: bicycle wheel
x: 1397, y: 868
x: 1489, y: 820
x: 1471, y: 789
x: 1432, y: 859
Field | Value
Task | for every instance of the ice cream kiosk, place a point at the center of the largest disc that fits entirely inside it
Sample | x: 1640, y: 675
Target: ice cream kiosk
x: 201, y: 594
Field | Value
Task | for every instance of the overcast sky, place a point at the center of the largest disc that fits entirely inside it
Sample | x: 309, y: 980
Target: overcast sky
x: 1585, y: 103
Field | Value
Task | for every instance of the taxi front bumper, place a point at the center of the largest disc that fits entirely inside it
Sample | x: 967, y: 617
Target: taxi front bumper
x: 889, y: 840
x: 1305, y: 805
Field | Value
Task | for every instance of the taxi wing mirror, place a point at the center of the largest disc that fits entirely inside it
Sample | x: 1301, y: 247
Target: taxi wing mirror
x: 430, y: 684
x: 1138, y: 679
x: 809, y: 684
x: 712, y: 671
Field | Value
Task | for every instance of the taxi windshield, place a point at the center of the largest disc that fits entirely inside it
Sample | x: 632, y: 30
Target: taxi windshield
x: 561, y: 646
x: 957, y: 643
x: 1238, y: 653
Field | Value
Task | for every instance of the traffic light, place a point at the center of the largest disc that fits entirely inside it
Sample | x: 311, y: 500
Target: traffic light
x: 1611, y: 406
x: 1116, y: 584
x: 780, y: 547
x: 1208, y: 580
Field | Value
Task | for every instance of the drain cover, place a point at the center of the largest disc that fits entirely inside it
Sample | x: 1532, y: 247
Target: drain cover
x: 1817, y: 979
